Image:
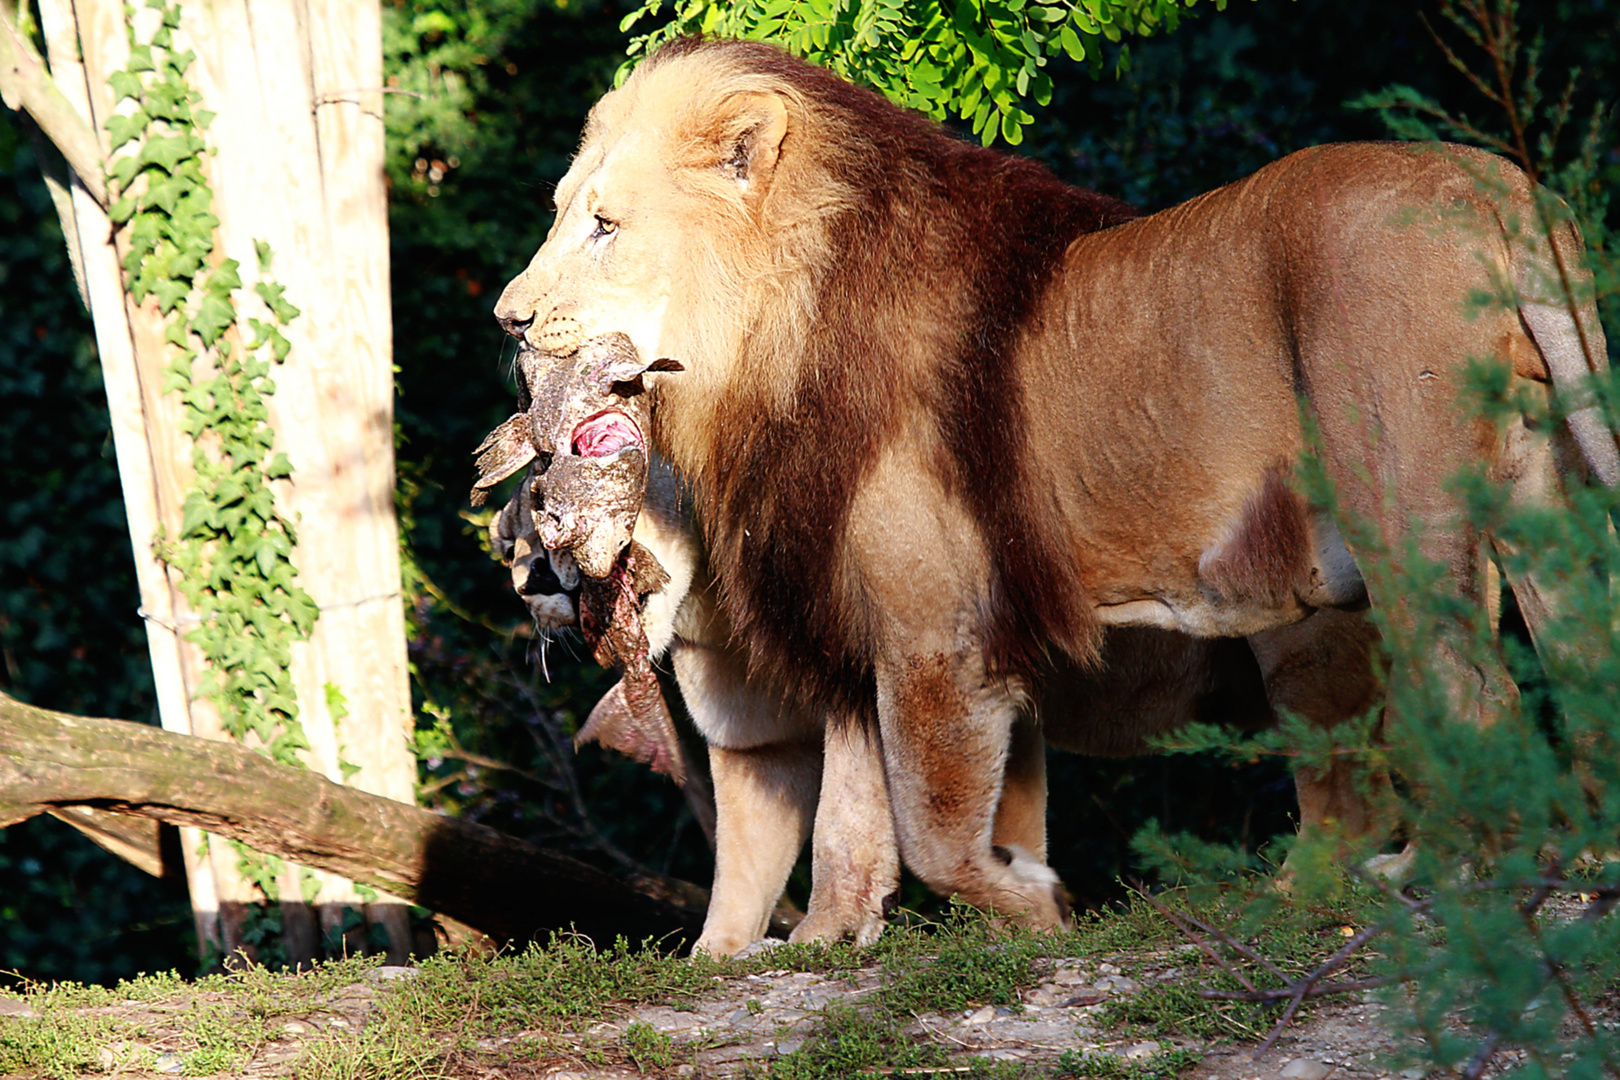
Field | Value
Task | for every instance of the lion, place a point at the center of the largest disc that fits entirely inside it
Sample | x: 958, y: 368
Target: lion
x: 778, y: 768
x: 940, y: 434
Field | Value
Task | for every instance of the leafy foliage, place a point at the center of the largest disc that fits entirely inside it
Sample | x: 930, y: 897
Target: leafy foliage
x: 234, y: 549
x: 978, y: 60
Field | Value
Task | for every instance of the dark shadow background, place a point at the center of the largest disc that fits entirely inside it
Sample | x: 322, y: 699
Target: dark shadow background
x: 471, y: 169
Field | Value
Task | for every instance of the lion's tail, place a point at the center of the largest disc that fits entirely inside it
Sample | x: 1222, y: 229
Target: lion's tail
x: 1554, y: 288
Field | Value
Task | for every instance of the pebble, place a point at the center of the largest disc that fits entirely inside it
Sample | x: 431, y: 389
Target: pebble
x: 685, y: 1070
x: 1106, y: 968
x: 389, y: 972
x: 983, y: 1015
x: 1140, y: 1050
x: 761, y: 946
x: 1304, y: 1069
x: 169, y: 1063
x: 295, y: 1027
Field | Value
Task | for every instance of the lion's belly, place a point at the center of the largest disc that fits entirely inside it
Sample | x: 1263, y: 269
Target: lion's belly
x: 1244, y: 582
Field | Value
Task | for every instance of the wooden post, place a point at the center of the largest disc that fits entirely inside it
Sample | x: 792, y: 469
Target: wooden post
x: 297, y: 162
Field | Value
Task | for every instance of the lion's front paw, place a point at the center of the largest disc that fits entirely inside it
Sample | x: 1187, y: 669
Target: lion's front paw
x: 721, y: 944
x: 1042, y: 902
x: 858, y: 924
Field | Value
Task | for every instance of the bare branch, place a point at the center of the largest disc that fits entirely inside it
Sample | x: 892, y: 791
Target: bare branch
x: 25, y: 84
x: 1197, y: 940
x: 1284, y: 993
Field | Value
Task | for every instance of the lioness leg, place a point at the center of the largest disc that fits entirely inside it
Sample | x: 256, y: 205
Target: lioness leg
x: 765, y: 761
x: 1322, y: 669
x: 1021, y: 816
x: 946, y: 734
x: 855, y: 863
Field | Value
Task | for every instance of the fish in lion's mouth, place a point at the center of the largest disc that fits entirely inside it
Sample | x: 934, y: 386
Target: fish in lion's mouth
x: 605, y: 434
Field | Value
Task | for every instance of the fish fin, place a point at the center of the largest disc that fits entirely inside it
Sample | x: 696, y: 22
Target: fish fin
x: 635, y: 721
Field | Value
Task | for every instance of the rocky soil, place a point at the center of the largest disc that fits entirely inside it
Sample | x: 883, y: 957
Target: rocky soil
x: 754, y: 1018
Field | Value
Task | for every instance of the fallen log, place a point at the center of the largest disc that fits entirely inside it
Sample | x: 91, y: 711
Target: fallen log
x: 511, y: 890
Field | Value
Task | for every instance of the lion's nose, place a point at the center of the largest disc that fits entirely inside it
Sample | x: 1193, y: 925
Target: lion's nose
x: 514, y: 324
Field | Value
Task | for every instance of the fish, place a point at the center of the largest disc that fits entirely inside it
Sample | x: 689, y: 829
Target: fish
x: 581, y: 434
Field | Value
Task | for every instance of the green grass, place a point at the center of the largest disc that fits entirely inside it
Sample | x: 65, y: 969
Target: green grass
x: 535, y: 1002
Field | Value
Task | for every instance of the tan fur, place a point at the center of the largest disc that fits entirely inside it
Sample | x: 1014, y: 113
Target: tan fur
x: 938, y: 429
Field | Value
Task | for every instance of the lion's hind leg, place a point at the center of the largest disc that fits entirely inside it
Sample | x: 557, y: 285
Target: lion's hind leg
x: 1324, y: 670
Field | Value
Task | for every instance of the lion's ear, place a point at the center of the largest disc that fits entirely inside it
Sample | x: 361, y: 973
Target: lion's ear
x: 750, y: 138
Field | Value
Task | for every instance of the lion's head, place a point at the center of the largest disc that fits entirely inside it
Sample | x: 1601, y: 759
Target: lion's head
x: 693, y: 191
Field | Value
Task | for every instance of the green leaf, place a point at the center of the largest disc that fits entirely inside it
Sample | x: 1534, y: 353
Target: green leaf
x: 170, y: 292
x: 166, y: 152
x: 123, y: 171
x: 225, y: 278
x: 124, y: 84
x: 214, y: 315
x: 1071, y: 43
x: 432, y: 22
x: 122, y: 129
x: 1011, y: 128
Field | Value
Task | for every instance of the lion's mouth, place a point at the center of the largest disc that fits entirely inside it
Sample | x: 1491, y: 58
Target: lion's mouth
x: 606, y: 434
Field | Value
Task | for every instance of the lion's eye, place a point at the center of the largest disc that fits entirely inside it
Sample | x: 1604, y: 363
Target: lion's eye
x: 604, y: 227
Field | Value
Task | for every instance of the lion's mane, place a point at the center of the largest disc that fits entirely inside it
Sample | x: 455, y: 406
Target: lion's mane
x: 879, y: 295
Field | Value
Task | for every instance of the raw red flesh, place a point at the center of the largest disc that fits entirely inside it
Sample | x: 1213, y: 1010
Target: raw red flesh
x: 604, y: 434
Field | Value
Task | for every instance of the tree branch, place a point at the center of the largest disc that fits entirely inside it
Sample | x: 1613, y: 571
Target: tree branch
x: 496, y: 883
x: 25, y: 84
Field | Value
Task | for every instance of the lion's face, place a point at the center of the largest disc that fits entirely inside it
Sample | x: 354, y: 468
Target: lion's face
x: 671, y: 173
x: 608, y: 262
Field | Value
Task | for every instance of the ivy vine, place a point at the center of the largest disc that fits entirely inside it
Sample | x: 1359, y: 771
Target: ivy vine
x: 233, y: 551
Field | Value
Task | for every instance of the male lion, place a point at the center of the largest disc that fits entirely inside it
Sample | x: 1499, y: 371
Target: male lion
x: 937, y: 432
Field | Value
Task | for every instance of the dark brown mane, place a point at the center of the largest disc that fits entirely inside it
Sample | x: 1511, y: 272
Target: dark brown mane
x: 980, y: 228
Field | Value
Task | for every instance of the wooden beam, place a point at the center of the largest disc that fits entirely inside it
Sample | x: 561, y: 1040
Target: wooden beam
x: 26, y: 85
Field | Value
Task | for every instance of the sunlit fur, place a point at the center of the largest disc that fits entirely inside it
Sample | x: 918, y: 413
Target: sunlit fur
x: 879, y: 276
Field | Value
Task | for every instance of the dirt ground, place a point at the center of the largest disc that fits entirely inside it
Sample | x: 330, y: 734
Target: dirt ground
x: 753, y: 1018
